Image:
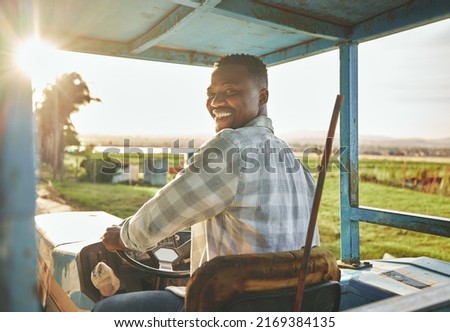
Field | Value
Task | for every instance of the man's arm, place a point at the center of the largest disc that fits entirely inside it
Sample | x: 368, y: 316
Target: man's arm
x: 204, y: 189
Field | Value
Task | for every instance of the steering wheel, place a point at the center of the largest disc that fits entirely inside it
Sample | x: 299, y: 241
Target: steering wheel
x: 167, y: 258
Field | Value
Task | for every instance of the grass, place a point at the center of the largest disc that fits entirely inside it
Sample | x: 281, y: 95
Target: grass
x: 124, y: 200
x: 117, y: 199
x: 403, y: 199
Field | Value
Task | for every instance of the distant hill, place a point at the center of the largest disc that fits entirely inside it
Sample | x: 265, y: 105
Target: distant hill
x: 406, y: 142
x: 319, y: 138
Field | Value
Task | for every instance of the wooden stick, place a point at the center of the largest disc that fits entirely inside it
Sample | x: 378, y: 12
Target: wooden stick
x: 316, y: 203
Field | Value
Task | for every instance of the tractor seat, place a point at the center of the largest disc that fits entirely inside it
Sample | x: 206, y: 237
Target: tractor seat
x: 265, y: 282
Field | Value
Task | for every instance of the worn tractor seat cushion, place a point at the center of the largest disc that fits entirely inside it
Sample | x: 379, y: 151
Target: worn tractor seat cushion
x: 225, y: 278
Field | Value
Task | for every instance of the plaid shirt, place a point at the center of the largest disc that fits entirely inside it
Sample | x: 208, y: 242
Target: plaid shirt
x: 243, y: 191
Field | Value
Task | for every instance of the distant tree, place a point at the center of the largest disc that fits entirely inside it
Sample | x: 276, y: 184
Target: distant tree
x: 54, y: 125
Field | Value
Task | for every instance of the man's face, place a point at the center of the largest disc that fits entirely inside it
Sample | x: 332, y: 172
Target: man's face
x: 234, y: 98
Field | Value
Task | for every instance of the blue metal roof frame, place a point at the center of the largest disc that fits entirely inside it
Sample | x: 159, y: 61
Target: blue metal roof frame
x: 194, y: 32
x: 198, y: 32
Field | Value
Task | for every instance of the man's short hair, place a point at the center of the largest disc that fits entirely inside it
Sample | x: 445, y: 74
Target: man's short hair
x: 254, y: 65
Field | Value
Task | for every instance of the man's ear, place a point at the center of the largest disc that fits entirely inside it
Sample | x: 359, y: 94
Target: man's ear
x: 263, y: 96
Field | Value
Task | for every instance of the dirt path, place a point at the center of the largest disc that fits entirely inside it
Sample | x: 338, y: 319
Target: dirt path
x: 48, y: 201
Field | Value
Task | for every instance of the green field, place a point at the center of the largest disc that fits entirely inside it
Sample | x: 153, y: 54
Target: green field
x: 123, y: 200
x: 379, y: 240
x: 426, y: 175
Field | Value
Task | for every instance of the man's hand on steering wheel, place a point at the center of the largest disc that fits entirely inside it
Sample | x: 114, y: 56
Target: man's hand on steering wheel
x: 111, y: 239
x: 166, y: 263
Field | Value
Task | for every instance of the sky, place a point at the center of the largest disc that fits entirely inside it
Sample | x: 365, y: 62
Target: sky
x: 404, y: 91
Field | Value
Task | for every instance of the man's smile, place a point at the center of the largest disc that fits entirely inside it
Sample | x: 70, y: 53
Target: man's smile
x: 220, y: 115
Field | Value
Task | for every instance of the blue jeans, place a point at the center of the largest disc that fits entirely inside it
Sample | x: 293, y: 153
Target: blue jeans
x: 148, y: 301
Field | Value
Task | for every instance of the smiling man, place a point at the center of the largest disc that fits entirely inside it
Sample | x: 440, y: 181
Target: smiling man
x: 244, y: 191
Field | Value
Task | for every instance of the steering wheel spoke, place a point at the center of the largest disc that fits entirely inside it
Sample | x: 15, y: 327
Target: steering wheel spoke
x: 166, y: 257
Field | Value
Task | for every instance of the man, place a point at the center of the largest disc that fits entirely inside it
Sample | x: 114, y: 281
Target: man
x: 242, y: 192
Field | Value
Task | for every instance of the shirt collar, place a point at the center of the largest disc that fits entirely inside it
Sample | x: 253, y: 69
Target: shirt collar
x: 261, y: 121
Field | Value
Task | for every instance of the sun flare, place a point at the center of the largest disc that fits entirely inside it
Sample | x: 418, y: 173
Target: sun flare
x: 34, y: 55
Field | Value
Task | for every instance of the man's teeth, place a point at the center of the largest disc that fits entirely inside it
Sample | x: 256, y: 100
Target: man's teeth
x: 219, y: 115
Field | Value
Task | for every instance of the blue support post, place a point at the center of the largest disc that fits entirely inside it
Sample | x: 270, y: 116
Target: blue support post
x: 18, y: 253
x: 350, y: 252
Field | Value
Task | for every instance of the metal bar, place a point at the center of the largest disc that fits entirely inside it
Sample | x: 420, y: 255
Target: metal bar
x: 434, y: 298
x: 316, y: 203
x: 411, y: 15
x: 273, y: 17
x: 92, y: 46
x: 300, y: 51
x: 413, y: 222
x: 85, y: 45
x: 188, y: 3
x: 175, y: 56
x: 176, y: 20
x: 350, y: 251
x: 18, y: 258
